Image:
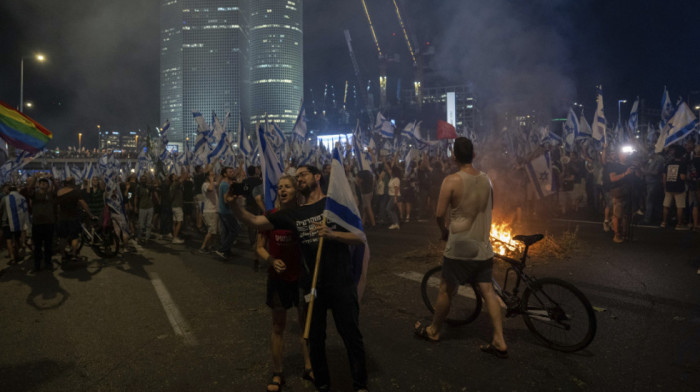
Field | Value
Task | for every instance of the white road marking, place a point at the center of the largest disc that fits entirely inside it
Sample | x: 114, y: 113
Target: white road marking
x: 178, y: 322
x: 465, y: 291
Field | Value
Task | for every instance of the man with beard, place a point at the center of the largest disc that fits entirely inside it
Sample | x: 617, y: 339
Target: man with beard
x: 335, y: 288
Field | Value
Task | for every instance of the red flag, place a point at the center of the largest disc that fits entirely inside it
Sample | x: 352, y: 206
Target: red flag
x: 445, y: 130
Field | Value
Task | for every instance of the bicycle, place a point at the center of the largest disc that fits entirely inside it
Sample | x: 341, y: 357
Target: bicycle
x: 103, y: 240
x: 554, y: 310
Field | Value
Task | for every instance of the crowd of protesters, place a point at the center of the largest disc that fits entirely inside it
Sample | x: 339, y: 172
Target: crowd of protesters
x: 616, y: 186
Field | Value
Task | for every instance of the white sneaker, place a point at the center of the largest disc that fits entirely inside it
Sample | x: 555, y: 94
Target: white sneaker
x: 178, y: 241
x: 606, y: 226
x: 394, y: 226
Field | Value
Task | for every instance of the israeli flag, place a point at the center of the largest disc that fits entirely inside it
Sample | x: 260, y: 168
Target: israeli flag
x: 667, y: 108
x: 16, y: 211
x: 599, y: 123
x: 584, y: 129
x: 409, y: 130
x: 384, y: 127
x: 552, y: 138
x: 678, y: 127
x: 363, y: 160
x: 272, y: 169
x: 89, y: 172
x: 300, y: 124
x: 634, y: 117
x: 220, y: 147
x: 539, y: 171
x: 201, y: 144
x: 340, y: 203
x: 164, y: 129
x: 571, y: 128
x: 243, y: 142
x: 163, y: 133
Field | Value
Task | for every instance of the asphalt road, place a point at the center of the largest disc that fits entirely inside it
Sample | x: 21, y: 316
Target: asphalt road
x: 170, y: 319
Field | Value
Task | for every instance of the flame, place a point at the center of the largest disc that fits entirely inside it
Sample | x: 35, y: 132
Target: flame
x: 502, y: 239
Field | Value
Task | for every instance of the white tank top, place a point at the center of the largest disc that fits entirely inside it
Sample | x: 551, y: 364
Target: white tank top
x: 470, y: 221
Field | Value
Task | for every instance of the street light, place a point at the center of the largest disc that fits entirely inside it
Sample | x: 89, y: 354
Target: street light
x: 29, y: 104
x: 80, y: 141
x: 619, y: 116
x: 38, y: 57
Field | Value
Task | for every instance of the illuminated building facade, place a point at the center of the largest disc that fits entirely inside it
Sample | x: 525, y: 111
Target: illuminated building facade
x: 203, y: 62
x: 110, y: 140
x: 434, y: 100
x: 276, y: 61
x: 129, y: 141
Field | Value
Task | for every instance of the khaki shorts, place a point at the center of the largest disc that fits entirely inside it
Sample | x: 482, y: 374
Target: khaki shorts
x: 211, y: 219
x: 679, y: 198
x: 177, y: 214
x: 619, y: 205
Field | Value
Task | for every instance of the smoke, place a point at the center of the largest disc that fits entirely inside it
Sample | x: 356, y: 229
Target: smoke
x: 514, y: 53
x: 102, y: 68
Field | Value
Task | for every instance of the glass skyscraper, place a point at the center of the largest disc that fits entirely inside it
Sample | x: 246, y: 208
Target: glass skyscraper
x: 204, y: 63
x: 276, y: 61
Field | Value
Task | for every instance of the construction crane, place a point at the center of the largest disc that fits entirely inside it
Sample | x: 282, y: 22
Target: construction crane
x: 382, y: 60
x: 365, y: 96
x: 417, y: 61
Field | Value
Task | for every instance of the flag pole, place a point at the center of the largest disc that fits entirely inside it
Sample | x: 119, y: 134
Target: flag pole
x: 312, y: 293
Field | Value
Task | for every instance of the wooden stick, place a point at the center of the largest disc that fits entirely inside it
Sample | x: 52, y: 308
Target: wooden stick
x: 310, y: 309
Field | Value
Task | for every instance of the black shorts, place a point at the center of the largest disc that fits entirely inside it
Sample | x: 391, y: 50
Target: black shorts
x: 282, y: 294
x: 10, y: 234
x: 69, y: 229
x: 457, y: 272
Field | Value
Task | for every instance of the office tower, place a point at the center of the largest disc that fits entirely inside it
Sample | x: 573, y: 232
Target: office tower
x: 204, y: 62
x: 276, y: 61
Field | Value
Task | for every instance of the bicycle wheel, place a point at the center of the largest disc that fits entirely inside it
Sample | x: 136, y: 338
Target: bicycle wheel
x: 465, y: 305
x: 82, y: 239
x: 559, y: 314
x: 106, y: 243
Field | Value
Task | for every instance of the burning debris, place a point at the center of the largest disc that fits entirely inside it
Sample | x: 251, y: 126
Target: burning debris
x: 502, y: 241
x: 551, y: 246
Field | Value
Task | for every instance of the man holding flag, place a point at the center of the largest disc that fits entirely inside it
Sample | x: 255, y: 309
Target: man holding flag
x: 336, y: 222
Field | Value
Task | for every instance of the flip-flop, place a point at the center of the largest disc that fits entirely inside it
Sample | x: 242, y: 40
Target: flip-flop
x: 276, y: 384
x: 490, y: 349
x: 421, y: 331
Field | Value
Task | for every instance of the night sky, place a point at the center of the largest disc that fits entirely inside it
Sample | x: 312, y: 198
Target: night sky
x: 519, y: 55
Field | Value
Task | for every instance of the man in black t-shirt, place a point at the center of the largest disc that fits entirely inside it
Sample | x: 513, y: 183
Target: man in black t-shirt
x: 674, y: 177
x: 335, y: 288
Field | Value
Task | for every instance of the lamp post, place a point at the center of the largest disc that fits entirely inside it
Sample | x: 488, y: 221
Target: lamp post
x: 38, y: 57
x: 619, y: 115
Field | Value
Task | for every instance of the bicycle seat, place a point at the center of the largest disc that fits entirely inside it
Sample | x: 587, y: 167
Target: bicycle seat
x: 528, y: 239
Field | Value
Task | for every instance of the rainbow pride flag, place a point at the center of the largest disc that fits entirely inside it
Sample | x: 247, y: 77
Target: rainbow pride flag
x: 21, y: 131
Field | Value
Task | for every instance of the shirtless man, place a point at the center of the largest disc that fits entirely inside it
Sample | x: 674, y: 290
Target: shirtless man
x: 468, y: 255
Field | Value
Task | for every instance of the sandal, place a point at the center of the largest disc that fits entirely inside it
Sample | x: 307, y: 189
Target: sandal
x: 277, y: 384
x: 491, y: 349
x: 307, y: 375
x: 421, y: 331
